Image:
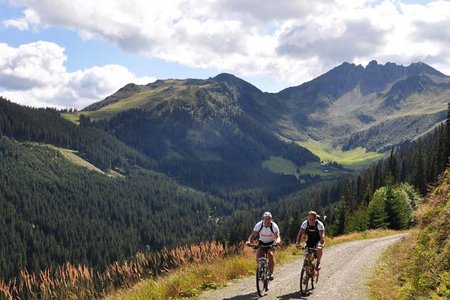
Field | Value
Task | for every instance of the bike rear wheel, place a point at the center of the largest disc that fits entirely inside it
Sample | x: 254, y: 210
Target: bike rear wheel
x: 261, y: 284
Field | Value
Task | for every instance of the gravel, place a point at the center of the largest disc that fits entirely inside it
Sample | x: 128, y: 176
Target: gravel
x: 346, y: 269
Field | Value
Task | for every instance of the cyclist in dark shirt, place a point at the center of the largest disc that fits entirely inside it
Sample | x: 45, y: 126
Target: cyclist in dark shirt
x: 315, y: 232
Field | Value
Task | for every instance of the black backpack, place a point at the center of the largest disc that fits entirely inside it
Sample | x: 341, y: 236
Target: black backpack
x: 262, y: 225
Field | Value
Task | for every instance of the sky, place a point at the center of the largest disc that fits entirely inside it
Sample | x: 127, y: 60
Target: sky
x: 69, y: 54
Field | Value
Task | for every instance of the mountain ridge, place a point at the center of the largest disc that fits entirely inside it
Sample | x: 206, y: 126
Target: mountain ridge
x: 331, y: 108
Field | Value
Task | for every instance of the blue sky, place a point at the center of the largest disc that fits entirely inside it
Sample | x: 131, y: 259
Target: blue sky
x: 73, y: 53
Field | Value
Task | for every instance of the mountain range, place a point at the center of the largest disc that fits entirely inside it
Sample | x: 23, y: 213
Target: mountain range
x: 376, y: 107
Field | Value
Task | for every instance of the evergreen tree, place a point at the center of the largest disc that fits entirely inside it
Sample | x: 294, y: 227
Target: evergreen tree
x: 340, y: 217
x: 393, y: 166
x: 419, y: 174
x: 377, y: 217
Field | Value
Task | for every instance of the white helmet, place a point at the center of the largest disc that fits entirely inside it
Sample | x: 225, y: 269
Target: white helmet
x: 267, y: 214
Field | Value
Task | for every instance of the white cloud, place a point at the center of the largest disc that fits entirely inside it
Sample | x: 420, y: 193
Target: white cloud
x: 287, y: 40
x: 34, y: 74
x: 29, y: 19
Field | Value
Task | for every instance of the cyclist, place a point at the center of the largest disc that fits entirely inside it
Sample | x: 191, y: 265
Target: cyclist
x: 315, y: 232
x: 269, y: 234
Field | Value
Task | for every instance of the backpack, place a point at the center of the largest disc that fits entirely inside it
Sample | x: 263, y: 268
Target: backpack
x: 262, y: 225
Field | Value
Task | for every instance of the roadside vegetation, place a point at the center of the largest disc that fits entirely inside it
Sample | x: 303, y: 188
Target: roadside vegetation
x: 191, y: 280
x: 418, y: 267
x: 181, y: 272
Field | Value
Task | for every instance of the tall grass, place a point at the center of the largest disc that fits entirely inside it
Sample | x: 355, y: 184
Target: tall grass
x: 81, y: 282
x: 180, y: 272
x: 192, y: 279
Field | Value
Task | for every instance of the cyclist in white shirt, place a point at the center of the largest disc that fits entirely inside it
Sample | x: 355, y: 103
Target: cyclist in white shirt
x: 269, y: 234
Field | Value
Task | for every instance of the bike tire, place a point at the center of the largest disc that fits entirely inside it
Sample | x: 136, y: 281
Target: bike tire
x: 266, y: 283
x: 303, y: 282
x: 260, y: 282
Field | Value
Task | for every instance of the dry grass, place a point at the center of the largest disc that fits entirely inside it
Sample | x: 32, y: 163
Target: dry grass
x: 180, y: 272
x: 193, y: 279
x: 389, y: 271
x: 80, y: 282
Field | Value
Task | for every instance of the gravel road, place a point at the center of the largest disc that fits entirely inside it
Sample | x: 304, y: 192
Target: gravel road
x: 345, y: 271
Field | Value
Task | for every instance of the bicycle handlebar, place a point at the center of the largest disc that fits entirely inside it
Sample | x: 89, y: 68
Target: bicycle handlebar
x: 256, y: 246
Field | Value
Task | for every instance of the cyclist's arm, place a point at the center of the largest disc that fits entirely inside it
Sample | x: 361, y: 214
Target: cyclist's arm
x: 300, y: 234
x: 277, y: 237
x: 322, y: 237
x: 252, y: 236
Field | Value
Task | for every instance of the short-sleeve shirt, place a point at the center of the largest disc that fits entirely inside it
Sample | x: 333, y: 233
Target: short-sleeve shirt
x: 313, y: 232
x: 266, y: 235
x: 319, y: 225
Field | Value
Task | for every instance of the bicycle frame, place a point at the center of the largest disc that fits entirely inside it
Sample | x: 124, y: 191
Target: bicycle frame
x: 262, y: 269
x: 308, y: 271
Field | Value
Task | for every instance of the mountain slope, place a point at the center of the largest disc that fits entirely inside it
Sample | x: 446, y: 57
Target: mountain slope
x: 55, y: 212
x: 350, y: 99
x: 388, y: 134
x: 209, y: 134
x: 335, y: 109
x: 46, y: 126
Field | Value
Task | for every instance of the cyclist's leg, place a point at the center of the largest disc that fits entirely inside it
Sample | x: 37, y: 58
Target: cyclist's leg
x: 258, y: 254
x: 271, y: 261
x: 319, y: 254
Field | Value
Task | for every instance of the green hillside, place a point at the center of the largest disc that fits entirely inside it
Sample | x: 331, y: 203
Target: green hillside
x: 204, y: 133
x: 419, y: 266
x: 56, y: 212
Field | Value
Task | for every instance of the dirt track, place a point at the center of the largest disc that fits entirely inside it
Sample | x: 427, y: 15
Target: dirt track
x: 345, y: 270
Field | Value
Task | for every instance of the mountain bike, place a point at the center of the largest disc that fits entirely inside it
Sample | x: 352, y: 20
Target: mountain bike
x: 309, y: 274
x: 262, y: 269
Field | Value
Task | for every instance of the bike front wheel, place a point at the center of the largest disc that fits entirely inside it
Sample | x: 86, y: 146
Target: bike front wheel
x: 304, y: 281
x: 261, y: 284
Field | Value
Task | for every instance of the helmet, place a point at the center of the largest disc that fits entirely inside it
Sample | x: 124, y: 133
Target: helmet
x: 267, y: 214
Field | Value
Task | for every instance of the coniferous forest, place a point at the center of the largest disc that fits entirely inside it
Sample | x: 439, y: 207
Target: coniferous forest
x: 54, y: 211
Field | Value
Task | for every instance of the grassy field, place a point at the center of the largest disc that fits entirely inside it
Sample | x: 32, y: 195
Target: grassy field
x: 72, y: 117
x: 277, y: 164
x: 94, y: 115
x: 354, y: 159
x: 191, y: 280
x: 71, y: 155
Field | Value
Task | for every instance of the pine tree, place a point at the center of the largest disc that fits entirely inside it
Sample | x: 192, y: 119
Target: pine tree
x: 340, y: 217
x: 393, y: 166
x: 419, y: 174
x: 376, y: 212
